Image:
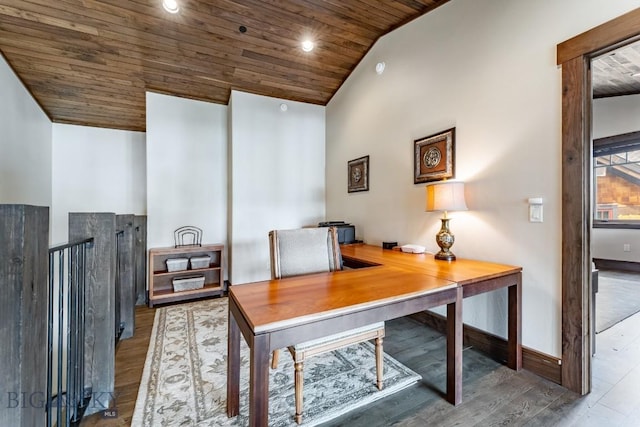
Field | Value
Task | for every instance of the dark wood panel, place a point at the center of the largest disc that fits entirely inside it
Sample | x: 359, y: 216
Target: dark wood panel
x: 204, y: 46
x: 140, y: 257
x: 546, y: 366
x: 576, y: 372
x: 574, y: 55
x: 125, y: 259
x: 206, y: 33
x: 609, y: 264
x: 99, y: 367
x: 119, y: 50
x: 24, y: 240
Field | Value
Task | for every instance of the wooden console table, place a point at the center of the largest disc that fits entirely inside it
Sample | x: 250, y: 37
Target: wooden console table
x: 277, y: 313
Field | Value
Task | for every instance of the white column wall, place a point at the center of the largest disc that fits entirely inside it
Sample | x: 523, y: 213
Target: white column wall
x: 277, y: 170
x: 186, y: 168
x: 487, y: 67
x: 614, y: 116
x: 96, y: 170
x: 25, y: 144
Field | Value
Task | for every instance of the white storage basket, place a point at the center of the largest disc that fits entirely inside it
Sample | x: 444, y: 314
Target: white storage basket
x: 200, y: 261
x: 188, y: 283
x: 177, y: 264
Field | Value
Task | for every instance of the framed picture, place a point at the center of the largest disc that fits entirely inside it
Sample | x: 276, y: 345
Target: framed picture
x: 358, y: 174
x: 433, y: 158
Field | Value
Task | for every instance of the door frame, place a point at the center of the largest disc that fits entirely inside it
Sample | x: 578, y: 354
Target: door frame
x: 574, y: 56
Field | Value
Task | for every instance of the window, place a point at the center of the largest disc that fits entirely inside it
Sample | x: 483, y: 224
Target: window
x: 616, y: 179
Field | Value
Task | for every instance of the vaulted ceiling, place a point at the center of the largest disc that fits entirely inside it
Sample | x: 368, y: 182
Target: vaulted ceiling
x: 89, y: 62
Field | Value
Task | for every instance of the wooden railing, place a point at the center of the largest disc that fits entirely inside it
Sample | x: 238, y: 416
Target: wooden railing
x: 60, y: 303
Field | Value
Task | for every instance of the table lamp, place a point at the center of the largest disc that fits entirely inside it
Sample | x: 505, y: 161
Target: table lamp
x: 445, y: 196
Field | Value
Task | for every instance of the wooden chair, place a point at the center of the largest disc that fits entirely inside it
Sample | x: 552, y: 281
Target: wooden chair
x: 315, y: 250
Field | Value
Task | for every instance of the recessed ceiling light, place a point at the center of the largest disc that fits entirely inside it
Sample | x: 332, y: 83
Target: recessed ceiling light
x: 170, y: 6
x: 283, y: 107
x: 380, y: 67
x: 307, y: 45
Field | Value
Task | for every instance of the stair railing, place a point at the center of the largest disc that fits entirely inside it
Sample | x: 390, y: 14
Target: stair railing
x: 67, y: 393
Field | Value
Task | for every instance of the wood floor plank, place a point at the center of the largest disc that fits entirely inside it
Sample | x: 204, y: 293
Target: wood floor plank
x: 565, y: 410
x: 525, y: 406
x: 130, y: 356
x: 478, y: 401
x: 492, y: 393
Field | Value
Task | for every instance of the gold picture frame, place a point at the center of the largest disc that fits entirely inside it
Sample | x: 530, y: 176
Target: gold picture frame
x: 358, y: 174
x: 433, y: 157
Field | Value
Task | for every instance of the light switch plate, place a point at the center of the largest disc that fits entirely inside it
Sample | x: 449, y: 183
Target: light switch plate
x: 535, y: 213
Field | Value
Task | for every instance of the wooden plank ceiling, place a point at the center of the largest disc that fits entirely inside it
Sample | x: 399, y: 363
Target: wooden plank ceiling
x: 617, y: 73
x: 89, y: 62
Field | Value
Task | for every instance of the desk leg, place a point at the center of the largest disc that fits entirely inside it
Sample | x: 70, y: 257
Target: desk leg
x: 515, y: 324
x: 233, y: 367
x: 259, y: 382
x: 454, y: 350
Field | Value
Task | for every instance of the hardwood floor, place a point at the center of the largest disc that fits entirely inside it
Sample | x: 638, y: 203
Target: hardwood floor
x: 130, y: 357
x: 494, y: 395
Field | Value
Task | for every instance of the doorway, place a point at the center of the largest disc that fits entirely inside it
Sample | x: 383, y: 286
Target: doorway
x: 574, y: 55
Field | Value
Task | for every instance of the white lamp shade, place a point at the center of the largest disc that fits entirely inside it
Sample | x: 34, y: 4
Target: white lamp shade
x: 446, y: 196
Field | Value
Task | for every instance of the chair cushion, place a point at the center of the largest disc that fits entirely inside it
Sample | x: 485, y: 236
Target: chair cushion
x: 303, y: 251
x: 351, y: 332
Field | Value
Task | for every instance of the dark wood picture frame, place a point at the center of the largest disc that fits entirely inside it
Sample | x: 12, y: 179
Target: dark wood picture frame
x: 358, y: 174
x: 434, y: 157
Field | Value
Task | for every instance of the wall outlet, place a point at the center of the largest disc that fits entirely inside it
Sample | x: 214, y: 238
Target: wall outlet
x: 626, y: 247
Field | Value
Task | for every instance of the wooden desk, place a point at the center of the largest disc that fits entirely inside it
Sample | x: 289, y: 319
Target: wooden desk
x: 474, y: 277
x: 277, y: 313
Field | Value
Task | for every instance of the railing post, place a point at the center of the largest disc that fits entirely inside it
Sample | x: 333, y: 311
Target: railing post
x: 24, y: 243
x: 126, y: 260
x: 140, y: 258
x: 99, y: 319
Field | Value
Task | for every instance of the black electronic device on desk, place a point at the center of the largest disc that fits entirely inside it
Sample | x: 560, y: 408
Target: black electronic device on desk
x: 346, y: 232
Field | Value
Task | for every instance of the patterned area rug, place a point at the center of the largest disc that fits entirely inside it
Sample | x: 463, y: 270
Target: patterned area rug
x: 184, y: 378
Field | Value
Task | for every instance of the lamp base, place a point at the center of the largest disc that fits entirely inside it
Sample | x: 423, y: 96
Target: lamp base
x: 445, y: 256
x: 445, y: 240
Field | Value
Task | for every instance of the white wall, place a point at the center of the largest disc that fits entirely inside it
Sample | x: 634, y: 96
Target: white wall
x: 614, y: 116
x: 186, y: 168
x: 25, y: 144
x: 96, y: 170
x: 488, y: 68
x: 609, y: 244
x: 277, y: 164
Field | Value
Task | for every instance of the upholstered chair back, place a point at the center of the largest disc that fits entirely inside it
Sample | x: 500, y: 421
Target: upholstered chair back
x: 304, y: 251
